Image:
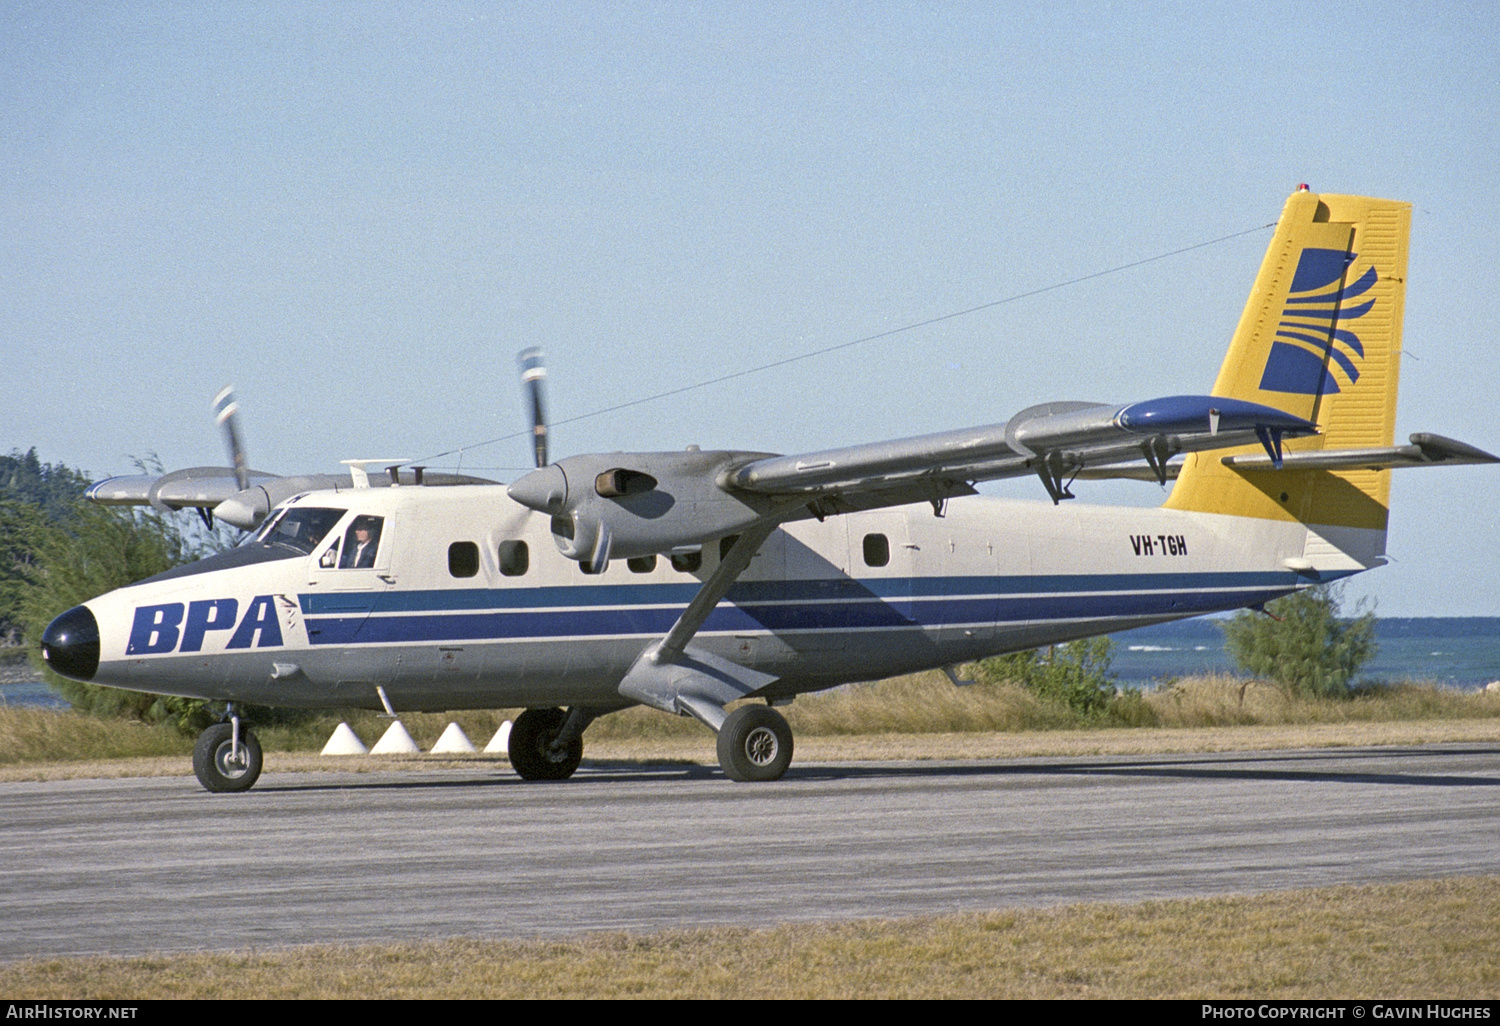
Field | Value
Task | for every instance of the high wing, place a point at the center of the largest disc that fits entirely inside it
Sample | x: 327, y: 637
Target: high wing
x: 219, y: 492
x: 240, y: 496
x: 636, y: 504
x: 1055, y: 441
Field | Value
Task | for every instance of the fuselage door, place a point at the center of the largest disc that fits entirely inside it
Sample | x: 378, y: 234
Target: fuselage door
x: 348, y: 574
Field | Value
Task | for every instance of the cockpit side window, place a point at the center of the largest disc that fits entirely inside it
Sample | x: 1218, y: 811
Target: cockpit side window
x: 301, y: 527
x: 361, y: 542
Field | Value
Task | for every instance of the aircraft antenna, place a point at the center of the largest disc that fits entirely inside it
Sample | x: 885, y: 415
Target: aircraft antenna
x: 540, y: 427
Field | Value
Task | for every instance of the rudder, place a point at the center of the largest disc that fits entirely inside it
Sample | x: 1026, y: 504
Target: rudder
x: 1320, y: 337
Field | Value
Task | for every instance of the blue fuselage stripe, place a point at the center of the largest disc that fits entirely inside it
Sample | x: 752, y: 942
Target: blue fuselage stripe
x: 779, y: 607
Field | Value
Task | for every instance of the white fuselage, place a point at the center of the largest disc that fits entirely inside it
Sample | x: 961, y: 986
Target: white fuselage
x: 444, y: 620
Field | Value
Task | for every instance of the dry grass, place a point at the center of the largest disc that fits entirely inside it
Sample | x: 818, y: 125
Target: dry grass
x: 698, y: 749
x: 31, y: 734
x: 917, y: 717
x: 1427, y: 939
x: 1215, y: 701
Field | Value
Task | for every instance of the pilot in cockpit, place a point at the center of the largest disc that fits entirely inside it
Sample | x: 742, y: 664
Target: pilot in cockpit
x: 361, y: 542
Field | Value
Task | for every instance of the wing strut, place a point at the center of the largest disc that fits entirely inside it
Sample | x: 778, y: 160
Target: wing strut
x: 678, y: 677
x: 1051, y: 467
x: 1157, y: 451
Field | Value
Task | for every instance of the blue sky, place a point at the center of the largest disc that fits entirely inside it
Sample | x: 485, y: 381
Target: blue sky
x: 358, y: 213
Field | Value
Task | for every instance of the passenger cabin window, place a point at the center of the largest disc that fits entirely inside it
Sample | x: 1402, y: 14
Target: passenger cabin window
x: 725, y: 544
x: 687, y: 562
x: 361, y: 543
x: 877, y: 550
x: 463, y: 559
x: 587, y: 566
x: 515, y: 558
x: 642, y: 564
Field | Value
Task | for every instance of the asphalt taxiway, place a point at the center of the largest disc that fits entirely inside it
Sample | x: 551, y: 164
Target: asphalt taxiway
x: 157, y: 864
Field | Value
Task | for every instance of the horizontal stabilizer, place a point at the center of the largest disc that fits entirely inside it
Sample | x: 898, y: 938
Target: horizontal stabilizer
x: 1425, y: 450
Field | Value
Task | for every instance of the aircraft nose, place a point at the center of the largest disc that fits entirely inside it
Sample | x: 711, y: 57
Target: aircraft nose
x: 70, y: 644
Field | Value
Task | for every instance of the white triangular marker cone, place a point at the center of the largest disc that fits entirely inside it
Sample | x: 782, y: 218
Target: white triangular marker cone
x: 454, y: 742
x: 344, y: 742
x: 395, y: 741
x: 500, y: 743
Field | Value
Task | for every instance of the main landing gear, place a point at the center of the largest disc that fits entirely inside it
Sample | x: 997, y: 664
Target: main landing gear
x: 541, y: 749
x: 755, y: 743
x: 227, y: 757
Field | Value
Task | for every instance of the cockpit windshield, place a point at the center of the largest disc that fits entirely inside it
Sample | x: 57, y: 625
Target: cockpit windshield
x: 301, y: 527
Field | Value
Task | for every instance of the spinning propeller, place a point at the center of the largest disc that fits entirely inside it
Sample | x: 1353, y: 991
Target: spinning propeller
x: 533, y: 375
x: 226, y: 412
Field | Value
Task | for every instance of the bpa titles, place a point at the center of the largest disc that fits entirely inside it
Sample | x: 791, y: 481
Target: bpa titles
x: 159, y: 628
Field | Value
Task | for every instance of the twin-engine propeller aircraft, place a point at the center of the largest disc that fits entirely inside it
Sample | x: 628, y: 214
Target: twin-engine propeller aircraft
x: 687, y: 581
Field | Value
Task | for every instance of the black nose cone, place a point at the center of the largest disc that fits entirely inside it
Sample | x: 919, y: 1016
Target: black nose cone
x: 70, y: 644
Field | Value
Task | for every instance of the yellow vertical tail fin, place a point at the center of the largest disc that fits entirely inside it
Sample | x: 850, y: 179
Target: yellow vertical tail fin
x: 1320, y: 338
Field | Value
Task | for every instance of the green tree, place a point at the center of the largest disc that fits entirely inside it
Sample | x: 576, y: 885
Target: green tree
x: 1076, y: 674
x: 52, y: 487
x: 19, y: 524
x: 93, y: 550
x: 32, y: 493
x: 1306, y: 644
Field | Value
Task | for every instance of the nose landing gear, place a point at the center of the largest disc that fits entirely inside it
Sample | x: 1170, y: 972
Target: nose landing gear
x: 227, y: 758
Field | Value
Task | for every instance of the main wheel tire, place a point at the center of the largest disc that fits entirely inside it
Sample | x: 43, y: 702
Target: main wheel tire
x: 216, y: 765
x: 531, y: 738
x: 755, y: 743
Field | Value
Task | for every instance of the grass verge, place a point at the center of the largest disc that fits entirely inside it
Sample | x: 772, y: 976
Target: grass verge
x: 922, y: 704
x: 1425, y: 939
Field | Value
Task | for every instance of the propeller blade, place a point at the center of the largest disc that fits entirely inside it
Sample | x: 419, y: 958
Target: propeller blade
x: 226, y: 412
x: 533, y: 374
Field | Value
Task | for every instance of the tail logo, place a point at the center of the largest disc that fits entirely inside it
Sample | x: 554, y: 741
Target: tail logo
x: 1313, y: 338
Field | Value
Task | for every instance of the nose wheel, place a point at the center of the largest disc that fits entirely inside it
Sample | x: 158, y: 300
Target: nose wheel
x: 224, y: 762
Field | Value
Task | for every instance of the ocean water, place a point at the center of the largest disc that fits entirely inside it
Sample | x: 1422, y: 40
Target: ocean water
x: 1459, y: 652
x: 30, y: 693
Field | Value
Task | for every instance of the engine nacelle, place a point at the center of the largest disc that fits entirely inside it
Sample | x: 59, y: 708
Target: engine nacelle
x: 623, y: 505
